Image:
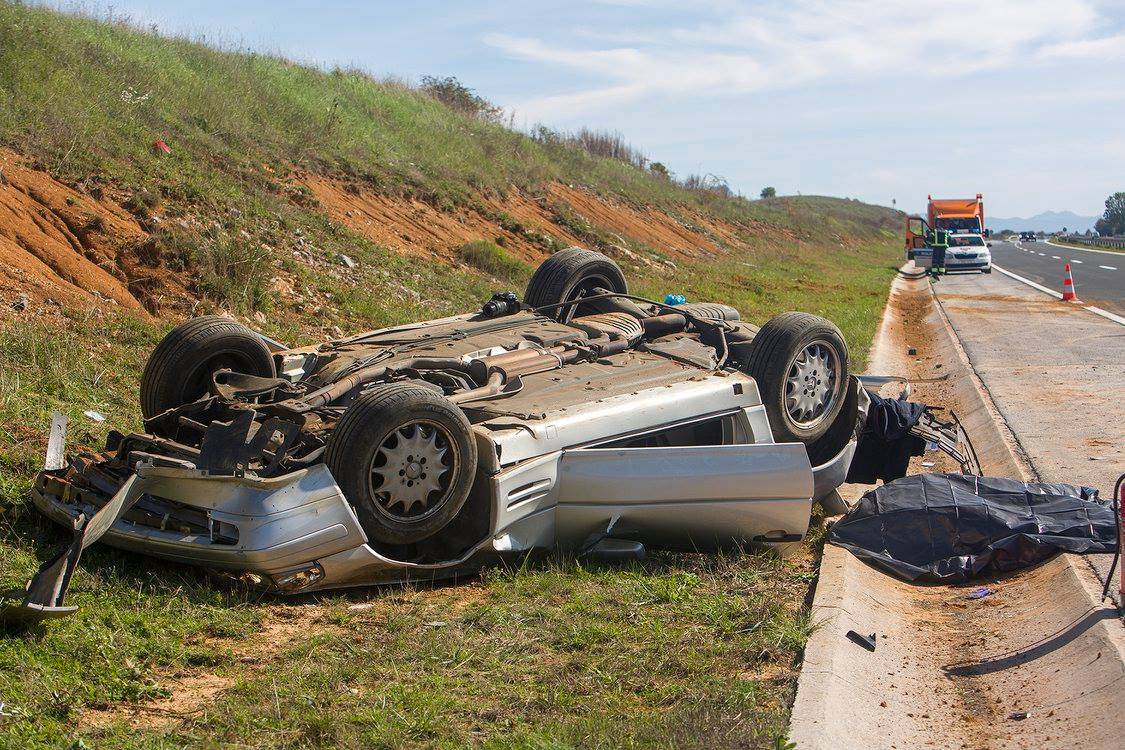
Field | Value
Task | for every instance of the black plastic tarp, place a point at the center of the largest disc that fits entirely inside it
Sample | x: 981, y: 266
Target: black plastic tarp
x: 885, y: 443
x: 951, y: 527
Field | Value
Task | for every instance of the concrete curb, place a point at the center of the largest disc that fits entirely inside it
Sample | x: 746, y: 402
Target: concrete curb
x: 908, y: 692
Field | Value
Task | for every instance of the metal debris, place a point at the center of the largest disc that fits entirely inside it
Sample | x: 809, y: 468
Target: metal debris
x: 867, y: 641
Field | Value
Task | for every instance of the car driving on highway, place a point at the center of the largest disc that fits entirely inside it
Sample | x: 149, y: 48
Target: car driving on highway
x: 968, y: 252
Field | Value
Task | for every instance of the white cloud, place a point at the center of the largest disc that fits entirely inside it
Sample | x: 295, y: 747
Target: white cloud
x: 737, y: 47
x: 1104, y: 49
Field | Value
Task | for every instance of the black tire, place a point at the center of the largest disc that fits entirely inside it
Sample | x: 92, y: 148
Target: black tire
x: 368, y: 437
x: 568, y: 274
x: 179, y: 369
x: 987, y: 270
x: 772, y: 362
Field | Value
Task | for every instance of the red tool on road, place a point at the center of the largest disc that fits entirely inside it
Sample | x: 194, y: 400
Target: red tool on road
x: 1068, y: 287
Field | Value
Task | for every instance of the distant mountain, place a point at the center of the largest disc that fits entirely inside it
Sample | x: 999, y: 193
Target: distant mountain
x: 1048, y: 221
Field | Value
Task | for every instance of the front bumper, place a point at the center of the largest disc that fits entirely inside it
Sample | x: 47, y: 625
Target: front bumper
x: 290, y: 534
x: 269, y: 526
x: 953, y: 263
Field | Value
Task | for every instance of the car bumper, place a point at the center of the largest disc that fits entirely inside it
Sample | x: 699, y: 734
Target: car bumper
x: 968, y: 264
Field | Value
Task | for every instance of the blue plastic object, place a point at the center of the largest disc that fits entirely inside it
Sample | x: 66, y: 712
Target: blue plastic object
x: 674, y: 299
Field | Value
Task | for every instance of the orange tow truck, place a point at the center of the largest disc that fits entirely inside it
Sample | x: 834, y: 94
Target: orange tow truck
x: 945, y: 217
x: 958, y: 215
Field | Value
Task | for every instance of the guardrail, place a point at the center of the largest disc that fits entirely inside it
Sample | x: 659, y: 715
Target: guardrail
x: 1118, y: 242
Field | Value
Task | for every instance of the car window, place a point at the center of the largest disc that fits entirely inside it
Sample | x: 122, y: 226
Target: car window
x: 967, y: 242
x: 705, y: 432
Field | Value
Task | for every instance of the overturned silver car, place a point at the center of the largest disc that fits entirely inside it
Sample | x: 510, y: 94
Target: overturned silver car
x: 580, y: 416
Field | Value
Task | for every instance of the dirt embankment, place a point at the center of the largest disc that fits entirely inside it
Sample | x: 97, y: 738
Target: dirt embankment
x: 566, y: 212
x: 76, y: 246
x: 64, y: 245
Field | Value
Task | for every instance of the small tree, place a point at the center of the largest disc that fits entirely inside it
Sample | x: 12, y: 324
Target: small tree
x: 769, y: 192
x: 660, y: 170
x: 1114, y: 216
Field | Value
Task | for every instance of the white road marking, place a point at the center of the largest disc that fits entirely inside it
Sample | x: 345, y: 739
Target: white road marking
x: 1085, y: 249
x: 1109, y: 268
x: 1056, y: 257
x: 1096, y: 310
x: 1042, y: 255
x: 1075, y: 260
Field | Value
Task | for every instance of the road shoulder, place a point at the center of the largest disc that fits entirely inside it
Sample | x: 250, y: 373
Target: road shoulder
x: 937, y: 676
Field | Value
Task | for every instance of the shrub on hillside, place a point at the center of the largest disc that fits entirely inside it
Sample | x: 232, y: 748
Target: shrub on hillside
x: 492, y: 259
x: 460, y: 98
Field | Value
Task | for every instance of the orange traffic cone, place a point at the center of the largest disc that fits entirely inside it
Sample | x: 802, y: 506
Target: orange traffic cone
x: 1068, y: 287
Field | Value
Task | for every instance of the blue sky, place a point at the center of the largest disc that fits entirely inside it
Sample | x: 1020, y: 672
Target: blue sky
x: 1023, y: 100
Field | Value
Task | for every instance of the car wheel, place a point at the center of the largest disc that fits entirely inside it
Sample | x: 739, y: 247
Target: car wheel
x: 800, y: 363
x: 570, y: 274
x: 987, y: 269
x: 180, y: 368
x: 405, y: 459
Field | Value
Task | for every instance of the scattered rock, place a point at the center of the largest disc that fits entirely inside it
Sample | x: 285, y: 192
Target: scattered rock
x: 346, y: 261
x: 93, y: 415
x: 912, y: 351
x: 3, y: 179
x: 21, y: 303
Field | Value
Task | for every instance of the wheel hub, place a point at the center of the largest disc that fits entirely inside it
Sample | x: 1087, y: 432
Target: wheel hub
x: 810, y: 390
x: 408, y: 470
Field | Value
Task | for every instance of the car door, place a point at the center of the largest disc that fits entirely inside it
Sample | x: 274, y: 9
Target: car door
x: 692, y: 497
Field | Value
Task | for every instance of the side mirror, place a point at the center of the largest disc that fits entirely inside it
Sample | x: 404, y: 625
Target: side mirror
x: 989, y: 244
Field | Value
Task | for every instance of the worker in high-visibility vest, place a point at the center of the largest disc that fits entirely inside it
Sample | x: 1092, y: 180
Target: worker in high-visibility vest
x: 939, y: 241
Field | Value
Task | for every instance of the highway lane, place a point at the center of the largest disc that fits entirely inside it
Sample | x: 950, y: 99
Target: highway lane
x: 1099, y: 278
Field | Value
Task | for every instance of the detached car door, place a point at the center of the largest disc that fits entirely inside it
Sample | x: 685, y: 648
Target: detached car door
x: 691, y: 497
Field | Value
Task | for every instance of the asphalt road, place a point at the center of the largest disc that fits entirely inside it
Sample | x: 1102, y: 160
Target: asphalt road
x: 1054, y: 372
x: 1099, y: 277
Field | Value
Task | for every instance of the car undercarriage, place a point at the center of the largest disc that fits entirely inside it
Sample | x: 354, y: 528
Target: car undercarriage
x: 581, y: 418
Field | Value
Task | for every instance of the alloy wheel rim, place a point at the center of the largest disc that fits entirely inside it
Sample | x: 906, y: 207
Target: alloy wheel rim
x: 411, y: 471
x: 811, y: 384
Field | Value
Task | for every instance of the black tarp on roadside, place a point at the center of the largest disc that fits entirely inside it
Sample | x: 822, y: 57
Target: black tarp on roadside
x: 951, y: 527
x: 885, y: 443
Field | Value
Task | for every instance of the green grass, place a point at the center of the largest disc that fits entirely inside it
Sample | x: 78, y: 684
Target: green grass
x: 85, y: 99
x: 681, y: 651
x: 493, y: 260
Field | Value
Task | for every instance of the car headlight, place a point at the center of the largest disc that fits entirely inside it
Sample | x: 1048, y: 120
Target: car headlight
x: 296, y: 580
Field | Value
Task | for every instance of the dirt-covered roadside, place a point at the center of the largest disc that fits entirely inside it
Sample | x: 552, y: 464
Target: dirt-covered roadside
x: 1034, y: 664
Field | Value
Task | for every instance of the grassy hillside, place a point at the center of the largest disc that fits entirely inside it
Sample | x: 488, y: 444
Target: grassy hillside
x: 681, y: 651
x: 85, y: 100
